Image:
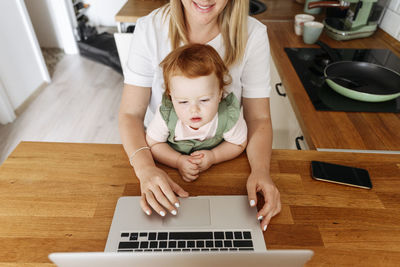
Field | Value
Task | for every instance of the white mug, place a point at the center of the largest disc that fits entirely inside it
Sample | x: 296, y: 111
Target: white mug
x: 299, y: 20
x: 312, y: 31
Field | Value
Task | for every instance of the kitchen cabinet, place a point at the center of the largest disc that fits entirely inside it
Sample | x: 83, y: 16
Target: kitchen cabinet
x: 23, y: 72
x: 287, y: 133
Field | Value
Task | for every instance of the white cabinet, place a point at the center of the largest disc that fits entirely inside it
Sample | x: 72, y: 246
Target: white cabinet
x: 286, y: 129
x: 22, y: 68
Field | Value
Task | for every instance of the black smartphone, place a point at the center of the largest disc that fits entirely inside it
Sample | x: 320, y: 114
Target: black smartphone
x: 340, y: 174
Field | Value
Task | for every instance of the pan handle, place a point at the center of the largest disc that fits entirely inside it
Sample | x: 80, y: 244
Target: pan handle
x: 340, y: 4
x: 331, y: 53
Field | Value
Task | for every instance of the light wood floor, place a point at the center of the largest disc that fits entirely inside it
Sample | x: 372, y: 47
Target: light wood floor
x: 80, y: 105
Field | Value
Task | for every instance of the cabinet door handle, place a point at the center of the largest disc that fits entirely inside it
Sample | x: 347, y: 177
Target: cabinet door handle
x: 297, y: 141
x: 277, y: 89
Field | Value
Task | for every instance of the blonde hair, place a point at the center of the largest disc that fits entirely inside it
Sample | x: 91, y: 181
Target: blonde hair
x: 232, y: 22
x: 192, y: 61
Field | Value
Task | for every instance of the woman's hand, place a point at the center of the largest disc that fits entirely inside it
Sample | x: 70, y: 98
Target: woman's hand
x: 158, y: 191
x: 203, y: 158
x: 261, y: 182
x: 188, y: 170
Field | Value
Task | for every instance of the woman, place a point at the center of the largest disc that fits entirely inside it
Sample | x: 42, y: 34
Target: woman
x: 243, y: 44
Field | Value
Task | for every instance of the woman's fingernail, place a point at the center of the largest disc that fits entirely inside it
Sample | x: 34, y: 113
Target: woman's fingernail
x: 173, y: 212
x: 147, y: 212
x: 260, y: 217
x: 252, y: 203
x: 162, y: 213
x: 177, y: 204
x: 265, y: 228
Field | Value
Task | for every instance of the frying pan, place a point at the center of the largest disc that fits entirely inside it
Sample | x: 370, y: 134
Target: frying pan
x: 361, y: 81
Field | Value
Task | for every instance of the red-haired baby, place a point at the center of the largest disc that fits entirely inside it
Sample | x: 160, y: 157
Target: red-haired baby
x: 197, y: 124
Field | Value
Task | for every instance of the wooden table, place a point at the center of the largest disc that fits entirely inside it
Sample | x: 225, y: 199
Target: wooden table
x: 61, y: 197
x: 332, y: 129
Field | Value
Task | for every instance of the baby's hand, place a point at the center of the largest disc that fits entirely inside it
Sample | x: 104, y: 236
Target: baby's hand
x: 188, y: 170
x: 203, y: 158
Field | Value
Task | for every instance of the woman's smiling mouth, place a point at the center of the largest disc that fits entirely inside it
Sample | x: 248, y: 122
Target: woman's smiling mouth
x: 203, y: 8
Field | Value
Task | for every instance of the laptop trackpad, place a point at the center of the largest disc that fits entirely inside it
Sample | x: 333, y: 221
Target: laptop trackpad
x: 192, y: 212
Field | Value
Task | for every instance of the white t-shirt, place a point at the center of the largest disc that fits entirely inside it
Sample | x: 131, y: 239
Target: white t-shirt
x: 150, y: 45
x: 158, y: 130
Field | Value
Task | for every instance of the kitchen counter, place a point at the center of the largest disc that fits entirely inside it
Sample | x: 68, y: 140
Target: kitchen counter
x: 61, y: 197
x: 276, y: 10
x: 134, y: 9
x: 334, y: 130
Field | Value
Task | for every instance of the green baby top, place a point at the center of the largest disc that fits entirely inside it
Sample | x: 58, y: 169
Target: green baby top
x: 228, y: 115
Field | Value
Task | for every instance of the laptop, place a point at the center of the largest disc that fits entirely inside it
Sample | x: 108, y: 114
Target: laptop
x: 204, y: 226
x: 228, y: 221
x: 281, y: 258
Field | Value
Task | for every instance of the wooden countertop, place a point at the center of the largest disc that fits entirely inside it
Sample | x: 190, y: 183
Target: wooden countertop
x: 334, y: 130
x: 134, y: 9
x: 276, y: 10
x: 61, y: 197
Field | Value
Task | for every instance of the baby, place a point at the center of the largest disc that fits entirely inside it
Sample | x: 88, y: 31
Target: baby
x: 195, y: 125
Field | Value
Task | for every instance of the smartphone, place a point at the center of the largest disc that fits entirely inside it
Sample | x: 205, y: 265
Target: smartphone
x: 340, y: 174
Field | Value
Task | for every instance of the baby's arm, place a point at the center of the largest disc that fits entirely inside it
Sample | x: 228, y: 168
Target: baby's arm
x: 235, y: 141
x: 165, y: 154
x: 223, y: 152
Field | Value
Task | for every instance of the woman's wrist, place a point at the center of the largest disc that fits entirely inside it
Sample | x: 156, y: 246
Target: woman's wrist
x: 260, y: 167
x: 132, y: 156
x: 142, y: 163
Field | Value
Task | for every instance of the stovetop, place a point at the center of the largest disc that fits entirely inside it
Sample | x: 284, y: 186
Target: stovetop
x: 309, y: 64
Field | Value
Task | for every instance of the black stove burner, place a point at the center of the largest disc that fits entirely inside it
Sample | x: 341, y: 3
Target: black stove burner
x: 310, y: 63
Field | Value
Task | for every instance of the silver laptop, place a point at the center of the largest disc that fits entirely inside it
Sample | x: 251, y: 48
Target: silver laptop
x: 203, y: 223
x: 204, y: 226
x: 281, y: 258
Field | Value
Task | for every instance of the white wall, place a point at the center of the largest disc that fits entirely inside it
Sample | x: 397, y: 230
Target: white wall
x: 102, y: 12
x: 64, y: 26
x: 6, y: 110
x: 53, y: 24
x: 40, y: 14
x: 22, y: 67
x: 391, y: 20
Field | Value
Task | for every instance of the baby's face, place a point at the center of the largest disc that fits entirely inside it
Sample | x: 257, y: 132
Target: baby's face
x: 195, y: 100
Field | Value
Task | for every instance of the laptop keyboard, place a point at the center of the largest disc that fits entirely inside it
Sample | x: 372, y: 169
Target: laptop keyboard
x: 185, y: 241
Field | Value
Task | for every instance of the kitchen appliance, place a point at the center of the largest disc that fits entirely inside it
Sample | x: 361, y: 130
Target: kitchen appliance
x: 310, y: 63
x: 363, y: 81
x: 359, y: 19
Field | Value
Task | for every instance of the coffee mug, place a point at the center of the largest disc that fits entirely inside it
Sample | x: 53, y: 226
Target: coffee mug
x: 312, y: 31
x: 299, y: 20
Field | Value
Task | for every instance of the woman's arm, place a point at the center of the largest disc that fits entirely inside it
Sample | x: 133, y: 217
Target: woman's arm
x: 259, y: 148
x: 156, y: 186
